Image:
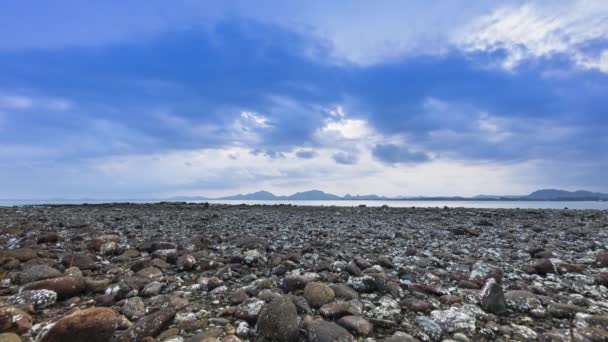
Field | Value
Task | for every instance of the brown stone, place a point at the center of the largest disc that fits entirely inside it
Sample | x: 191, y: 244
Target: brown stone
x: 90, y: 325
x: 82, y: 261
x: 318, y: 294
x: 9, y: 337
x: 14, y: 320
x: 150, y: 325
x: 356, y: 325
x: 65, y: 287
x: 99, y: 241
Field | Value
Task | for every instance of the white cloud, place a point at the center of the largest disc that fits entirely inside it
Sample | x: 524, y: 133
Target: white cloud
x: 222, y: 171
x: 15, y: 101
x: 338, y: 126
x: 541, y: 29
x: 12, y: 101
x: 347, y: 128
x: 248, y: 127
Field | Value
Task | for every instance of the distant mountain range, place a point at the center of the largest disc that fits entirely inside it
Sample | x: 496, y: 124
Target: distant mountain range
x: 317, y: 195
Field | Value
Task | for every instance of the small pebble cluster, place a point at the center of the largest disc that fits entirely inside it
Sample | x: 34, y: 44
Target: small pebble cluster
x: 179, y: 272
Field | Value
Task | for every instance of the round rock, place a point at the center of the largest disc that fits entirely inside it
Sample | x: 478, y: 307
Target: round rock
x: 318, y: 294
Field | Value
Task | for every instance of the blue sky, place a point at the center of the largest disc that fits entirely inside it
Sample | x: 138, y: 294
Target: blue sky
x: 117, y: 99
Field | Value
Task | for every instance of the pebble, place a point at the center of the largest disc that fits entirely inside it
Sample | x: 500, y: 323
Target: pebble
x: 194, y: 272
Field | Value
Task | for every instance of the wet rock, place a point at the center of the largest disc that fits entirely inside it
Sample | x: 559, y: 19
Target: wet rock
x: 152, y: 289
x: 340, y: 308
x: 94, y: 325
x: 429, y: 327
x: 602, y: 279
x: 97, y: 243
x: 82, y: 261
x: 37, y: 272
x: 168, y: 255
x: 416, y: 305
x: 318, y: 294
x: 161, y: 245
x: 209, y: 284
x: 481, y: 272
x: 186, y: 262
x: 249, y: 310
x: 400, y: 336
x: 242, y: 330
x: 344, y: 292
x: 9, y: 337
x: 388, y: 309
x: 40, y: 299
x: 50, y: 237
x: 385, y: 261
x: 583, y: 320
x: 21, y: 254
x: 492, y: 298
x: 356, y: 325
x: 523, y: 333
x: 97, y: 285
x: 411, y: 251
x: 150, y: 325
x: 104, y: 300
x: 149, y: 272
x: 14, y: 320
x: 65, y: 287
x: 133, y: 308
x: 522, y: 301
x: 544, y: 267
x: 109, y: 248
x: 278, y: 320
x: 323, y: 331
x: 601, y: 259
x: 294, y: 282
x: 223, y: 258
x: 454, y: 320
x: 237, y: 297
x: 560, y: 310
x: 365, y: 284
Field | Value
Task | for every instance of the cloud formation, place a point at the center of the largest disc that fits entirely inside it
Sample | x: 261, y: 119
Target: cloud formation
x: 212, y: 99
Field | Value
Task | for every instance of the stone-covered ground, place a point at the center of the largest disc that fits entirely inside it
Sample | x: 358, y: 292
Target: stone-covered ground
x: 194, y: 272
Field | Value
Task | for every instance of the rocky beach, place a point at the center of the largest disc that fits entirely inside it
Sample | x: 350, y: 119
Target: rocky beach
x: 178, y: 272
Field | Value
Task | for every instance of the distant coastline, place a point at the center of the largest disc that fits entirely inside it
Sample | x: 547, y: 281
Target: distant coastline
x: 549, y: 195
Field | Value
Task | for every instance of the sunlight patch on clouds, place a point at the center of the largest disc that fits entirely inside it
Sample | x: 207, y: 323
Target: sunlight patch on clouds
x: 248, y: 126
x: 536, y: 30
x: 338, y: 125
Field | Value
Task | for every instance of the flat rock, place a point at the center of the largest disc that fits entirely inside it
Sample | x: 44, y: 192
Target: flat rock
x: 323, y: 331
x: 65, y: 287
x: 454, y: 320
x: 37, y: 272
x: 40, y: 299
x: 356, y: 325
